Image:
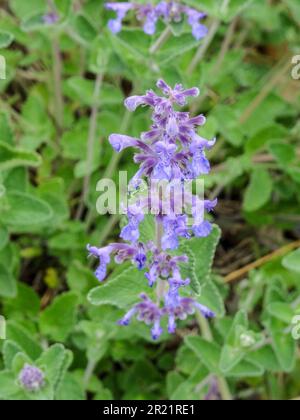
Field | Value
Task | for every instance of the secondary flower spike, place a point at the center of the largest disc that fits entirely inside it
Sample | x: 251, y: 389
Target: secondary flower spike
x: 31, y: 378
x: 171, y: 151
x: 149, y: 15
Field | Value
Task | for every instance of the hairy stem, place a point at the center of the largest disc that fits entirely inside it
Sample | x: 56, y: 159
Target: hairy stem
x: 204, y: 47
x: 161, y: 40
x: 161, y: 284
x: 90, y: 145
x: 265, y: 91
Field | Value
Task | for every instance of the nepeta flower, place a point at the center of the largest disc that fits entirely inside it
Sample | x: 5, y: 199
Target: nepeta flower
x: 171, y: 151
x: 150, y: 14
x: 147, y: 312
x: 121, y: 9
x: 32, y: 378
x: 123, y: 252
x: 51, y: 18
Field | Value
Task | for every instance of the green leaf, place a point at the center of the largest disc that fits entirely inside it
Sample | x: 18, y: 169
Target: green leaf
x: 283, y: 344
x: 233, y: 352
x: 201, y: 252
x: 82, y: 90
x: 8, y: 386
x: 10, y: 350
x: 246, y: 369
x: 6, y: 39
x: 208, y: 353
x: 266, y: 358
x: 4, y: 237
x: 212, y: 298
x: 26, y: 303
x: 70, y: 390
x: 294, y: 173
x: 84, y: 29
x: 23, y: 210
x: 281, y: 311
x: 22, y: 337
x: 58, y: 320
x: 80, y: 278
x: 283, y: 153
x: 265, y: 136
x: 11, y: 157
x: 259, y: 190
x: 292, y: 261
x: 122, y: 291
x: 8, y: 284
x: 52, y: 363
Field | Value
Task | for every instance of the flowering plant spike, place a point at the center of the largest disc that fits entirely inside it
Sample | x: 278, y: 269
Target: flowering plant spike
x: 149, y: 15
x: 170, y: 151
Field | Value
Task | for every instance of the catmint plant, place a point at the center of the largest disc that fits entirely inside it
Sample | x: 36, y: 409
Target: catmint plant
x: 149, y: 15
x: 171, y: 151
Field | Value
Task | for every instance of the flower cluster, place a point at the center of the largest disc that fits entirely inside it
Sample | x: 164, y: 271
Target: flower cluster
x: 31, y: 378
x: 50, y: 18
x: 170, y: 151
x: 168, y: 11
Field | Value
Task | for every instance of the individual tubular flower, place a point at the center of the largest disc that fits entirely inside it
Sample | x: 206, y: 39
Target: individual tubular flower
x: 31, y: 378
x: 162, y: 265
x: 150, y: 14
x: 123, y: 252
x: 177, y: 307
x: 199, y: 30
x: 135, y: 216
x: 121, y: 9
x: 148, y: 312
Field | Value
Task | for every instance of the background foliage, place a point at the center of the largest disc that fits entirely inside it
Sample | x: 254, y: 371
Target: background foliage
x: 61, y: 79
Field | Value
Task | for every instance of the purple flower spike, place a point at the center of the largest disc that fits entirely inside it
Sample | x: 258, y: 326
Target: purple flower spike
x: 171, y: 151
x: 31, y: 378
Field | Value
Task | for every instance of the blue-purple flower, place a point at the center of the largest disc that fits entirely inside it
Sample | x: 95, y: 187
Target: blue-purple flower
x: 51, y: 18
x: 31, y: 378
x: 149, y: 14
x: 148, y: 312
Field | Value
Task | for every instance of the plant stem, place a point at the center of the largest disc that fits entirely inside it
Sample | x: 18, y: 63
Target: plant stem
x: 265, y: 91
x: 226, y: 44
x: 224, y: 389
x: 207, y: 334
x: 57, y: 75
x: 215, y: 24
x: 90, y: 145
x: 161, y: 40
x: 161, y: 284
x: 262, y: 261
x: 88, y: 372
x: 57, y: 79
x: 204, y: 47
